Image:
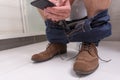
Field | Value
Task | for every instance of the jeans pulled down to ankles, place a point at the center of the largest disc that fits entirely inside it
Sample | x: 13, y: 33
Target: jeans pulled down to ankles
x: 81, y: 30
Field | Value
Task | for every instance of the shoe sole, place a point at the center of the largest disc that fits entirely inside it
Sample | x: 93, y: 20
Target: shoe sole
x: 86, y: 73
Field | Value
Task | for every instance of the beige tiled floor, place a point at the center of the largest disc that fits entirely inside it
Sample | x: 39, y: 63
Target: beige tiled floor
x: 15, y: 64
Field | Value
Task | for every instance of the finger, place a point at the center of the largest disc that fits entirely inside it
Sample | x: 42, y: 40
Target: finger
x: 64, y: 7
x: 48, y: 15
x: 58, y: 2
x: 54, y: 17
x: 64, y: 14
x: 59, y: 9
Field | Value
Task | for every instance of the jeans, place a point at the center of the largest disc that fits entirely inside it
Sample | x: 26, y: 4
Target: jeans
x: 90, y: 30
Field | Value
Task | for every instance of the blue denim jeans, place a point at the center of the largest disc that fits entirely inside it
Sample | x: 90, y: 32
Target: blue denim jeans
x: 90, y: 30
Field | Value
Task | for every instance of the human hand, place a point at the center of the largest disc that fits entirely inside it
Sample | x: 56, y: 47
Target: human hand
x: 60, y: 12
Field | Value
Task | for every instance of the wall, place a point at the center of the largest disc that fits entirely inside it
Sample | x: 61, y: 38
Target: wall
x: 34, y: 21
x: 10, y: 17
x: 115, y: 20
x: 19, y: 19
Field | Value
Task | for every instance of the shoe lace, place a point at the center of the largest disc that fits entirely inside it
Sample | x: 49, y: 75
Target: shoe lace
x: 87, y: 47
x: 63, y: 58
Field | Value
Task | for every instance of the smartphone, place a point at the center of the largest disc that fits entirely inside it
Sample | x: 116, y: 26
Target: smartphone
x: 42, y: 4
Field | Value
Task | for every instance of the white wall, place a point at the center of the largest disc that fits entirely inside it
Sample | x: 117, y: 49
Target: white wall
x: 115, y: 20
x: 10, y: 17
x: 18, y: 19
x: 34, y: 21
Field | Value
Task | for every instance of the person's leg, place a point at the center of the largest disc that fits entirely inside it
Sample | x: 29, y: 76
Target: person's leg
x: 95, y: 6
x: 99, y: 28
x: 57, y: 39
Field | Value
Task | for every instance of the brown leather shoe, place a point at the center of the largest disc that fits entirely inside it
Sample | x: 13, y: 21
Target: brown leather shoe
x: 87, y: 59
x: 52, y: 50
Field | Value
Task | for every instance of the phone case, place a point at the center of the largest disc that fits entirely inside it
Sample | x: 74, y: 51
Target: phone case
x: 42, y: 4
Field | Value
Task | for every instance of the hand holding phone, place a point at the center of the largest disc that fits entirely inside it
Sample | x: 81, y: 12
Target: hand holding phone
x: 56, y: 10
x: 59, y: 12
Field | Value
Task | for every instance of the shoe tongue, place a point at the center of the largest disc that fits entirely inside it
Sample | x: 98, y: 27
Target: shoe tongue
x: 86, y: 46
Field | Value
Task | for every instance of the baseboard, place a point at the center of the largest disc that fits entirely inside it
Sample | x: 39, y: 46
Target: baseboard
x: 21, y: 41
